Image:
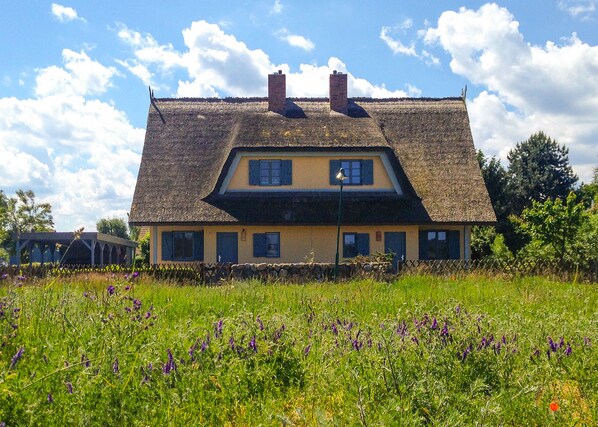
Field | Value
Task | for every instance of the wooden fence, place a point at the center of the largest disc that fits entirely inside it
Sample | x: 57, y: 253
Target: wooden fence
x: 206, y: 274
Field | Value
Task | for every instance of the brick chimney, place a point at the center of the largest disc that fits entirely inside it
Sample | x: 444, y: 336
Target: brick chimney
x: 338, y: 92
x: 277, y: 92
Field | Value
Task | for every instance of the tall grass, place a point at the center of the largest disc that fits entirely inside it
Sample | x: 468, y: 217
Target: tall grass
x: 422, y: 350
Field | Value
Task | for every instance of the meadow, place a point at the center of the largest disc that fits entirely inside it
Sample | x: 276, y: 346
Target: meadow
x: 110, y: 350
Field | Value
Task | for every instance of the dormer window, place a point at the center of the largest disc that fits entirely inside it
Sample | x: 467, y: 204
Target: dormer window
x: 270, y: 172
x: 357, y: 171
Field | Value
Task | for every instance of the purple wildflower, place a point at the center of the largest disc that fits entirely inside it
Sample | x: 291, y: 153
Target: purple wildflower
x: 444, y: 332
x: 135, y: 274
x: 548, y: 354
x: 85, y: 360
x: 278, y: 333
x: 21, y: 278
x: 16, y: 357
x: 192, y: 351
x: 253, y: 345
x: 4, y: 276
x: 115, y: 366
x: 136, y: 304
x: 536, y: 353
x: 111, y: 290
x: 148, y: 315
x: 504, y: 340
x: 356, y: 343
x: 466, y: 352
x: 218, y: 329
x: 458, y: 309
x: 402, y: 329
x: 334, y: 330
x: 127, y: 288
x: 204, y: 345
x: 587, y: 342
x: 553, y: 346
x: 568, y: 350
x: 434, y: 324
x: 259, y: 321
x: 306, y: 351
x: 50, y: 398
x: 415, y: 340
x: 231, y: 342
x: 561, y: 342
x: 497, y: 348
x: 170, y: 365
x: 69, y: 387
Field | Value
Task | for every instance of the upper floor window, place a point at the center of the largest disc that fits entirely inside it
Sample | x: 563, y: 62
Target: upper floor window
x: 357, y: 171
x: 270, y: 172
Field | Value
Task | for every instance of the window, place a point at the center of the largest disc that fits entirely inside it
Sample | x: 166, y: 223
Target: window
x: 352, y: 171
x: 357, y: 171
x: 439, y: 244
x: 270, y: 172
x: 355, y: 244
x: 182, y: 246
x: 266, y: 245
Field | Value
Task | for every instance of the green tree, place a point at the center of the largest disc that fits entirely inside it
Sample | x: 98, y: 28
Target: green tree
x: 23, y: 214
x: 113, y: 226
x: 588, y: 193
x: 499, y: 189
x: 539, y: 170
x: 555, y: 224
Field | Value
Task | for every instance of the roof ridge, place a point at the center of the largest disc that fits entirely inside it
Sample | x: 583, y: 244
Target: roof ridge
x: 306, y: 99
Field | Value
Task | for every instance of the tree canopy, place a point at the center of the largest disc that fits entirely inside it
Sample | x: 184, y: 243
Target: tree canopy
x: 539, y: 170
x: 113, y: 226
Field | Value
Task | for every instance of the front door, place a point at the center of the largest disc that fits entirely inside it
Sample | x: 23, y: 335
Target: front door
x: 396, y: 243
x: 226, y: 248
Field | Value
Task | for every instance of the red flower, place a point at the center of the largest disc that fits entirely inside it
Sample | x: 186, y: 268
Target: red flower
x: 554, y: 406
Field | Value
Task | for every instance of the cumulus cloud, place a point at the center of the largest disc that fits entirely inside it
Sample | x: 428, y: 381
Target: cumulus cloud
x: 76, y: 151
x: 295, y: 40
x: 213, y: 59
x: 553, y: 87
x: 65, y: 14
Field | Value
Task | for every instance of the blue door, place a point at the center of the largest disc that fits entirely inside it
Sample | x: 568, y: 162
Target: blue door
x: 226, y: 247
x: 396, y: 243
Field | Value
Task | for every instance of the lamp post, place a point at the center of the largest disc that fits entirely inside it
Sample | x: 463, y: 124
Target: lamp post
x: 340, y: 176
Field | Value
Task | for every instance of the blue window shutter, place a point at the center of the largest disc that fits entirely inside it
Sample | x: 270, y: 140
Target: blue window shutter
x: 286, y: 172
x: 367, y: 172
x: 259, y: 245
x: 335, y: 165
x: 198, y: 246
x: 363, y: 244
x: 423, y: 245
x: 254, y: 172
x: 166, y: 246
x: 453, y: 244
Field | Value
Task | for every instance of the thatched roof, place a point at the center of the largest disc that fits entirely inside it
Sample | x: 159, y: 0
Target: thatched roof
x: 428, y: 140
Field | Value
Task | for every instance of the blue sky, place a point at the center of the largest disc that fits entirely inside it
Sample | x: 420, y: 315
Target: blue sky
x: 74, y: 76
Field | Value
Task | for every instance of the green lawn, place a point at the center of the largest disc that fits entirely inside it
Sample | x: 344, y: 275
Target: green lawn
x: 422, y: 350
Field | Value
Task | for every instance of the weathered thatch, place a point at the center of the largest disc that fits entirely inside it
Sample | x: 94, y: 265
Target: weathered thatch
x: 428, y: 140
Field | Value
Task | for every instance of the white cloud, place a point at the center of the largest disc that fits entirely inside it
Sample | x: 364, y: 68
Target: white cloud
x: 276, y: 8
x: 65, y: 14
x: 295, y: 40
x: 80, y: 76
x: 578, y: 8
x: 399, y: 48
x: 217, y: 64
x: 75, y: 151
x: 553, y: 88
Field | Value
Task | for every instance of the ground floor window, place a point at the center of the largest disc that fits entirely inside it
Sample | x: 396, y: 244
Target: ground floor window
x: 439, y: 244
x: 355, y: 244
x: 266, y: 245
x: 182, y: 246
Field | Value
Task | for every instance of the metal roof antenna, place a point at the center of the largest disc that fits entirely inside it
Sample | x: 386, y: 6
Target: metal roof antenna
x: 464, y: 93
x: 153, y: 102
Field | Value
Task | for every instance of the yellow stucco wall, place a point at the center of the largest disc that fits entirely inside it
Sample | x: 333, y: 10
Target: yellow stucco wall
x: 297, y: 243
x: 309, y: 173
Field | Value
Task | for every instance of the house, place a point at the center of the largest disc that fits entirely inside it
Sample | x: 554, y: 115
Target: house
x: 254, y: 179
